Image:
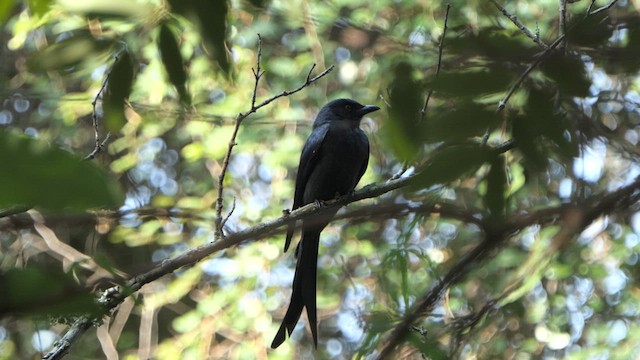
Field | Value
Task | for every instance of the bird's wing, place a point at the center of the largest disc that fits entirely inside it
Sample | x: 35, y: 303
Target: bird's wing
x: 308, y: 161
x: 363, y: 166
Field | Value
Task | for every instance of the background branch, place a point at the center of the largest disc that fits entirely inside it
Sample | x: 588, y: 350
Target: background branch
x: 519, y: 25
x: 577, y: 219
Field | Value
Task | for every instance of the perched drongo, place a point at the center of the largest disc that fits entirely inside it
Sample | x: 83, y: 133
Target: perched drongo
x: 333, y: 160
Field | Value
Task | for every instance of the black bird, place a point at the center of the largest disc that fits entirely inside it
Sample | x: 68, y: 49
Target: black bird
x: 333, y: 160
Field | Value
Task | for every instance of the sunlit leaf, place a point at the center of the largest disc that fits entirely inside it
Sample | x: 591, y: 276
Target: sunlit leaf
x: 403, y: 126
x: 117, y: 92
x: 69, y: 52
x: 38, y: 291
x: 172, y: 60
x: 453, y: 163
x: 108, y: 8
x: 569, y: 73
x: 50, y: 178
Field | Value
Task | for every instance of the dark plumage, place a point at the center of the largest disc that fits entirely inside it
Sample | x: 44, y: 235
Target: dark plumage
x: 333, y: 160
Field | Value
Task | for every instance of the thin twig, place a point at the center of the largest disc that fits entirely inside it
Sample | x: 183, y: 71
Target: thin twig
x: 558, y: 41
x: 533, y: 65
x: 403, y: 169
x: 604, y: 8
x: 310, y: 80
x: 593, y: 2
x: 257, y: 74
x: 233, y: 208
x: 519, y: 25
x: 423, y: 112
x: 94, y: 117
x: 562, y: 21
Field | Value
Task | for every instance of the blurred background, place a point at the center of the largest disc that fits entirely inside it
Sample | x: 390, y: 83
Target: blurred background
x: 160, y: 83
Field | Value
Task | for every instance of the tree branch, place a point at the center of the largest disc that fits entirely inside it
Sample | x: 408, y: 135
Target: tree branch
x: 599, y: 10
x: 519, y: 25
x: 562, y: 20
x: 100, y: 144
x: 190, y: 257
x: 493, y: 238
x: 423, y: 112
x: 524, y: 75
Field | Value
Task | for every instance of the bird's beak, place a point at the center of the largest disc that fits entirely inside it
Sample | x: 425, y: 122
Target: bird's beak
x: 368, y: 109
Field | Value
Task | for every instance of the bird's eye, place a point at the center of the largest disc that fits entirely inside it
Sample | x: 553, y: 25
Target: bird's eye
x: 348, y: 107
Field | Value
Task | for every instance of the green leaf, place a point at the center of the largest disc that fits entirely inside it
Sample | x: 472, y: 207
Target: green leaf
x: 543, y: 120
x: 453, y: 163
x: 464, y: 121
x: 212, y: 16
x: 590, y: 31
x: 406, y: 102
x: 50, y: 178
x: 38, y: 291
x: 68, y: 52
x: 623, y: 59
x: 180, y: 6
x: 172, y: 60
x: 470, y: 83
x: 496, y: 184
x: 117, y: 92
x: 39, y: 7
x: 108, y: 8
x: 428, y: 347
x: 524, y: 137
x: 5, y: 9
x: 569, y: 73
x: 495, y: 44
x: 260, y: 4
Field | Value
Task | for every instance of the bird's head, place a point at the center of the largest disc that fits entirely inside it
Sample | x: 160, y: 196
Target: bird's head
x: 343, y: 110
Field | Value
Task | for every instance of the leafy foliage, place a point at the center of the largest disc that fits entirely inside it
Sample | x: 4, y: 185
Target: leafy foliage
x: 51, y: 178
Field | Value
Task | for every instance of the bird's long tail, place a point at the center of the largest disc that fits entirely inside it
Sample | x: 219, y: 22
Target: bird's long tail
x: 304, y: 289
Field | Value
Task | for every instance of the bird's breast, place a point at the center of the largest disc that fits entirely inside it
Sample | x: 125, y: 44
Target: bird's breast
x: 343, y: 153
